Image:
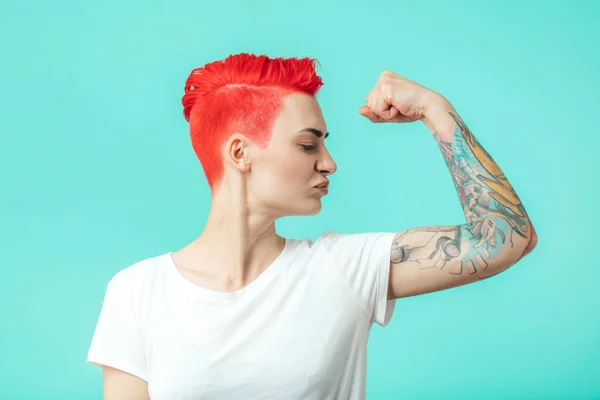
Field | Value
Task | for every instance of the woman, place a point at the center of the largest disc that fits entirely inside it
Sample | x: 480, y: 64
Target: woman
x: 243, y: 313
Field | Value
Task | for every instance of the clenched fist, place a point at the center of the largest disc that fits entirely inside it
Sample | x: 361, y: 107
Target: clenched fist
x: 397, y: 99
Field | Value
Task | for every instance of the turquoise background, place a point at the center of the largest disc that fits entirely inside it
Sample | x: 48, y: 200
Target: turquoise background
x: 98, y: 173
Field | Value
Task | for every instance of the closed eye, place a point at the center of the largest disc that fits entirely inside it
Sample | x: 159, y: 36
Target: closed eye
x: 309, y: 147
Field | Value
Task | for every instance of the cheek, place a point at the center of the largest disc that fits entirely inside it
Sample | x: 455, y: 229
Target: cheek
x: 297, y: 169
x: 287, y: 174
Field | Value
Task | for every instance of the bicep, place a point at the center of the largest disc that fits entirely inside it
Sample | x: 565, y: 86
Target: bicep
x: 120, y: 385
x: 429, y: 259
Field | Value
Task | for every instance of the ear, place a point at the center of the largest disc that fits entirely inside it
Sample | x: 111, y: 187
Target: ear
x: 236, y: 152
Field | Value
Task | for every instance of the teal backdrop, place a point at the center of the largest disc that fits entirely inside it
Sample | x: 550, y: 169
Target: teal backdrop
x: 98, y: 172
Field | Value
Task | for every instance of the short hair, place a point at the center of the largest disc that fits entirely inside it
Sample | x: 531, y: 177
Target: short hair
x: 242, y: 93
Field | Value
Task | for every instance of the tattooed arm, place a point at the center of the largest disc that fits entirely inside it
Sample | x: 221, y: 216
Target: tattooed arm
x: 497, y: 231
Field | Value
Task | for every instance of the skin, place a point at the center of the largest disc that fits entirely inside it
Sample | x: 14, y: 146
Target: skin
x: 497, y: 232
x: 261, y: 185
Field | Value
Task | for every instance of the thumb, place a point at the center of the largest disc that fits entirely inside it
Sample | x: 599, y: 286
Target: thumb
x: 393, y: 112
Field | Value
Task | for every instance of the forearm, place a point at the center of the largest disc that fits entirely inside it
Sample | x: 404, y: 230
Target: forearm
x: 496, y: 222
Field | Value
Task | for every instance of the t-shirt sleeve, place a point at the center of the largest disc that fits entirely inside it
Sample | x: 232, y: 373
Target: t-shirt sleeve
x: 117, y: 340
x: 363, y: 260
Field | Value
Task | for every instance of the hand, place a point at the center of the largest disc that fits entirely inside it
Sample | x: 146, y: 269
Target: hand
x: 397, y: 99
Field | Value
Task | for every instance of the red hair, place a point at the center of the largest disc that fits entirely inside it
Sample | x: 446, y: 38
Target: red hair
x: 244, y: 94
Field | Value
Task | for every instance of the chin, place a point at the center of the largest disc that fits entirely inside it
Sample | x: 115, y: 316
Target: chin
x: 295, y: 206
x: 316, y: 209
x: 315, y: 212
x: 307, y: 210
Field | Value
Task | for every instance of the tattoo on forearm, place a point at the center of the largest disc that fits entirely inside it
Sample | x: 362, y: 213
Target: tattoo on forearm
x: 484, y: 179
x: 492, y: 209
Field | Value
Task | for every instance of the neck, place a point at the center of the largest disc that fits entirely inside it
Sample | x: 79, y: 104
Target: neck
x: 237, y: 243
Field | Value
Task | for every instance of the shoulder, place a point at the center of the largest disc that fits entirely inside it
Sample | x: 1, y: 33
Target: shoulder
x: 352, y: 242
x: 346, y: 249
x: 134, y: 278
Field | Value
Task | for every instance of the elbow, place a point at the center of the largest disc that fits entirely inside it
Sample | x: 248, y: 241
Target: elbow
x: 509, y: 259
x: 533, y: 239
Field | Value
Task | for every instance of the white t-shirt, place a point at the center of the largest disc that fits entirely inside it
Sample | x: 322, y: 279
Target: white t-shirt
x: 299, y: 331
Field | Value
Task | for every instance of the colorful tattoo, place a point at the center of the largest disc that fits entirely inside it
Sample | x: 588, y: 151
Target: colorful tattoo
x: 494, y: 213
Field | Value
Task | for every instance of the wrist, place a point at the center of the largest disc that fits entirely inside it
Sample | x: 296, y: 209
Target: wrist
x: 437, y: 118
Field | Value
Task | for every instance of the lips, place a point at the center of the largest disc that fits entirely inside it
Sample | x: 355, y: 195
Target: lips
x: 323, y: 185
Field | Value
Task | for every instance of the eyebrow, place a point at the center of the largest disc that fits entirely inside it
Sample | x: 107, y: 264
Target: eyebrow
x: 315, y: 132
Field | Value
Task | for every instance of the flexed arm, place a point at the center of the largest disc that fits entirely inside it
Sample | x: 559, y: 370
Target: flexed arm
x: 497, y: 231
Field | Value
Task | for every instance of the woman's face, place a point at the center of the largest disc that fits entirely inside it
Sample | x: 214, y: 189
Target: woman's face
x: 283, y: 176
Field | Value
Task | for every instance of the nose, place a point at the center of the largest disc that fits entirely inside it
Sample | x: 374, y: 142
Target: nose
x: 326, y: 165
